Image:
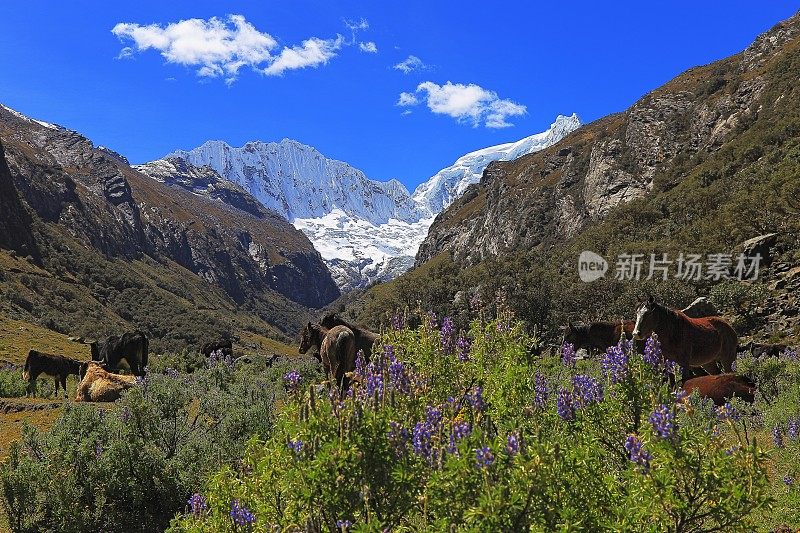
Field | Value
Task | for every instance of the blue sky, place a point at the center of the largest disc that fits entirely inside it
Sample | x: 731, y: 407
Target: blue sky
x: 511, y: 69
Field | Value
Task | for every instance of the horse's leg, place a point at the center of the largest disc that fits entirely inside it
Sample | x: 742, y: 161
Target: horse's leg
x: 64, y: 384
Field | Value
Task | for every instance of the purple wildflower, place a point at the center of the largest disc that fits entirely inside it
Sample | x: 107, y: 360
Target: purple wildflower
x: 793, y: 428
x: 568, y: 355
x: 503, y: 326
x: 484, y: 457
x: 790, y: 353
x: 637, y: 454
x: 727, y: 412
x: 171, y: 372
x: 663, y: 421
x: 732, y: 450
x: 565, y: 405
x: 292, y: 380
x: 422, y: 436
x: 343, y: 525
x: 398, y: 437
x: 586, y: 391
x: 125, y: 414
x: 614, y: 364
x: 475, y: 302
x: 512, y: 444
x: 296, y: 446
x: 398, y: 376
x: 540, y: 391
x: 671, y: 367
x: 374, y: 384
x: 476, y: 399
x: 240, y: 514
x: 446, y: 335
x: 788, y: 480
x: 777, y: 436
x: 361, y: 363
x: 652, y: 351
x: 197, y: 503
x: 680, y: 394
x: 459, y: 431
x: 398, y: 322
x: 431, y: 320
x: 98, y: 449
x: 463, y: 344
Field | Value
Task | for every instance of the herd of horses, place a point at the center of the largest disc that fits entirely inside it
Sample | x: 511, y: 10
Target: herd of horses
x: 705, y: 345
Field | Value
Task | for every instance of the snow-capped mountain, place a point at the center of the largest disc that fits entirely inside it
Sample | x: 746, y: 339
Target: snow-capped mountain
x: 449, y: 183
x: 365, y: 230
x: 299, y: 182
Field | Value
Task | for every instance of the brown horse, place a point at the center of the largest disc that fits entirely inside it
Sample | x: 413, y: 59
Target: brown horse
x: 722, y: 387
x: 337, y: 350
x: 703, y: 342
x: 365, y: 338
x: 599, y: 335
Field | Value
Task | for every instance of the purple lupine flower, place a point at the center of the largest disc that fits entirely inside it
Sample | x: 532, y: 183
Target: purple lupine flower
x: 476, y: 399
x: 614, y: 364
x: 171, y: 372
x: 637, y: 454
x: 788, y: 480
x: 663, y: 421
x: 512, y: 444
x: 652, y: 351
x: 446, y: 335
x: 398, y: 437
x: 793, y: 428
x: 727, y: 412
x: 484, y: 457
x: 626, y: 345
x: 292, y: 380
x: 503, y: 326
x: 732, y: 450
x: 463, y: 344
x: 568, y: 355
x: 475, y: 302
x: 540, y: 391
x: 343, y: 525
x: 586, y: 391
x: 398, y: 376
x: 197, y: 503
x: 240, y: 514
x: 398, y: 322
x: 790, y: 354
x: 777, y: 436
x: 374, y: 381
x: 422, y: 436
x: 671, y: 367
x: 125, y: 414
x: 296, y: 446
x: 734, y: 365
x: 459, y: 431
x: 679, y: 395
x: 361, y: 363
x: 98, y: 449
x: 564, y: 405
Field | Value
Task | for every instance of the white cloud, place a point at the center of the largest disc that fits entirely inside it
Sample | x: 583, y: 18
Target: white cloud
x: 221, y: 47
x: 410, y: 64
x: 407, y: 99
x: 369, y: 47
x: 467, y: 103
x: 312, y: 53
x: 406, y: 113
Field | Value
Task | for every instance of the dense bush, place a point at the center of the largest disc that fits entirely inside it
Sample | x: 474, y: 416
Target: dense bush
x: 467, y: 430
x: 130, y: 466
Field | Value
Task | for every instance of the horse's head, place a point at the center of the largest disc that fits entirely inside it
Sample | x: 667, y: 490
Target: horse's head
x: 309, y: 337
x: 330, y: 320
x: 645, y: 318
x: 94, y: 348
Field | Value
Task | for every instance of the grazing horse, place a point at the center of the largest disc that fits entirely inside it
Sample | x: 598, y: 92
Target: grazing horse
x: 365, y: 338
x: 722, y: 387
x: 599, y: 335
x: 57, y: 366
x: 337, y: 350
x: 131, y: 346
x: 702, y: 342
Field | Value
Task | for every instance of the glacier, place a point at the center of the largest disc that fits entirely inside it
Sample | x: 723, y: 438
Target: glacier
x: 366, y: 230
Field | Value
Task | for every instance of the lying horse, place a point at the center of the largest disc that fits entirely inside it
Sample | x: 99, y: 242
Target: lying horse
x: 722, y: 387
x: 57, y: 366
x: 365, y: 338
x: 100, y: 385
x: 337, y: 350
x: 703, y: 342
x: 598, y: 335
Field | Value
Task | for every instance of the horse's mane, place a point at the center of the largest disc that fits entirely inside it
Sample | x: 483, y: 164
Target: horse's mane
x: 331, y: 320
x: 673, y: 319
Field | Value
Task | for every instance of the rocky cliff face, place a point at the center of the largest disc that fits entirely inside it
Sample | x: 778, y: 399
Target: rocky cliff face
x: 91, y: 193
x: 548, y: 197
x: 15, y: 221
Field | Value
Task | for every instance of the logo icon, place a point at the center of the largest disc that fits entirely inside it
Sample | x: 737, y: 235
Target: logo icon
x: 591, y: 266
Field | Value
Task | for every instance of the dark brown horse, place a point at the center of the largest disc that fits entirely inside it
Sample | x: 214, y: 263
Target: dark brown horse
x: 690, y: 342
x: 337, y: 350
x: 56, y: 366
x: 365, y: 339
x: 598, y: 335
x: 722, y: 387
